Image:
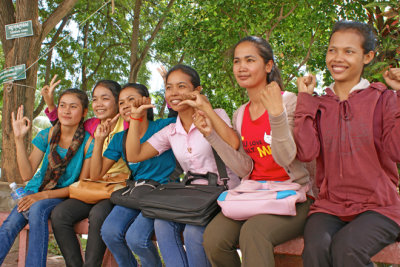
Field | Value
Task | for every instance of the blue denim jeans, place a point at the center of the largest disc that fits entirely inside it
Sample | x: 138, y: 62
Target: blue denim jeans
x: 39, y: 214
x: 171, y: 246
x: 126, y: 230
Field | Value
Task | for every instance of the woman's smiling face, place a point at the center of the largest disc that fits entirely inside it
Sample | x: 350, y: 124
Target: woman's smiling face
x: 345, y: 57
x: 103, y: 103
x: 178, y: 85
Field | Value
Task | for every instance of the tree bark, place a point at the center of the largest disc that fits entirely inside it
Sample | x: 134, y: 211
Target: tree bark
x: 23, y: 51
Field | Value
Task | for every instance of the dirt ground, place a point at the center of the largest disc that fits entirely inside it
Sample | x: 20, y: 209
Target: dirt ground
x: 52, y: 260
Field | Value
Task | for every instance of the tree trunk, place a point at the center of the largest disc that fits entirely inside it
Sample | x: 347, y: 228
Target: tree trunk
x: 22, y: 51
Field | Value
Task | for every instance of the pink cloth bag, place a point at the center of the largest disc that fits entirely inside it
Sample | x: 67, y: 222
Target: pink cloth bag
x: 251, y: 198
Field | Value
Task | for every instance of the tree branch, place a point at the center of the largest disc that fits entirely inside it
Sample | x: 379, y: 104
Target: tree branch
x: 278, y: 20
x: 307, y: 57
x: 180, y: 61
x: 162, y: 109
x: 234, y: 20
x: 102, y: 55
x: 61, y: 11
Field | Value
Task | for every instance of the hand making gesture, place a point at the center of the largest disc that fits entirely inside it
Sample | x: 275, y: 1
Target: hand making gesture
x: 21, y: 125
x: 198, y: 101
x: 48, y: 93
x: 163, y: 72
x: 202, y: 122
x: 392, y: 78
x: 271, y: 97
x: 139, y: 107
x: 306, y: 84
x: 104, y: 129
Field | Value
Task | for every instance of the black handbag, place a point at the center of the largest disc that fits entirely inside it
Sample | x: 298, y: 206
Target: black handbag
x: 130, y: 195
x: 186, y: 202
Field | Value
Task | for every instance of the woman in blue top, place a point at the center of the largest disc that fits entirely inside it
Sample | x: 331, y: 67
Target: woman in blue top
x: 64, y: 151
x: 126, y: 230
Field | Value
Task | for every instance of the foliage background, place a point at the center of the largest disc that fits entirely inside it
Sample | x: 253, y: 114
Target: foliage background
x: 202, y: 34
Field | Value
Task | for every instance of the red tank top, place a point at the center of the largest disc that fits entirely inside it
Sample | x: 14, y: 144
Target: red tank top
x: 256, y: 140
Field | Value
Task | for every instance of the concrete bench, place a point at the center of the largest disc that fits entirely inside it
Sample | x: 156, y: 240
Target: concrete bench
x: 286, y: 254
x: 289, y: 254
x: 80, y: 228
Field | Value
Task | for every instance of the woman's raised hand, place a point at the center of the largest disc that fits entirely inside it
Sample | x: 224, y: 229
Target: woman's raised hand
x: 139, y: 105
x: 202, y: 122
x: 197, y: 100
x: 271, y: 97
x: 48, y: 92
x: 163, y: 72
x: 392, y: 78
x: 104, y: 129
x: 21, y: 125
x: 306, y: 84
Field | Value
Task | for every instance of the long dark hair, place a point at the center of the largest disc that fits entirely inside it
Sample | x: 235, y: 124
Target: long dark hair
x: 265, y: 51
x: 143, y: 91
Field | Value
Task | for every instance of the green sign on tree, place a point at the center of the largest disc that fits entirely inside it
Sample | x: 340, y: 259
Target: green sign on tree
x: 13, y: 73
x: 20, y: 29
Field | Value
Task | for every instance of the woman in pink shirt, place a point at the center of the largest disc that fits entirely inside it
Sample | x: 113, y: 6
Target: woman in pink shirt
x: 192, y: 151
x: 353, y: 132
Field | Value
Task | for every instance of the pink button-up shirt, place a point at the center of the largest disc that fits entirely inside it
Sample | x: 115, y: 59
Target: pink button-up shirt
x: 191, y: 149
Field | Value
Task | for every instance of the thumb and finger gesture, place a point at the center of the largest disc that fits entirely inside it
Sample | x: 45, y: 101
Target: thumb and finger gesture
x: 104, y: 129
x: 21, y: 125
x: 202, y: 122
x: 163, y: 72
x: 392, y: 78
x: 196, y: 100
x: 48, y: 90
x: 139, y: 105
x: 306, y: 84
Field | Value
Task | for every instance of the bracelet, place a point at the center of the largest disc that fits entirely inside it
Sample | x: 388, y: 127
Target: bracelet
x: 135, y: 119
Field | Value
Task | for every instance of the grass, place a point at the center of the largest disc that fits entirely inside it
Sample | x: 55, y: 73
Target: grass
x: 54, y: 249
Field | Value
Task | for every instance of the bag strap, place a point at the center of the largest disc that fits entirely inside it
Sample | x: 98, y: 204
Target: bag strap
x: 88, y: 144
x: 175, y: 175
x: 223, y: 175
x: 124, y: 147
